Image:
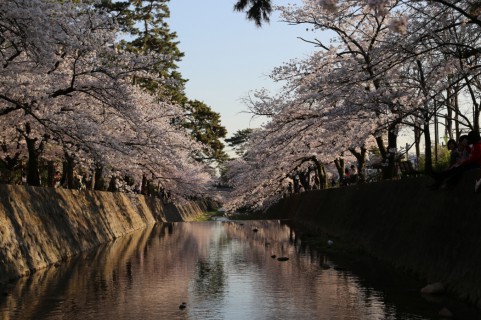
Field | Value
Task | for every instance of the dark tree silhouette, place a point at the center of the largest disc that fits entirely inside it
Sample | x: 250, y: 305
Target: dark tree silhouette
x: 256, y: 10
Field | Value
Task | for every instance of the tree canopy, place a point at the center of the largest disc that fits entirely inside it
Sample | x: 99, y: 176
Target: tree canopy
x: 205, y: 126
x: 389, y: 69
x: 238, y: 140
x: 144, y: 23
x: 69, y: 93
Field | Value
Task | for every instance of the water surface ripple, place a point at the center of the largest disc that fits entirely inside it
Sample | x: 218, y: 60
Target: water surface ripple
x: 220, y: 269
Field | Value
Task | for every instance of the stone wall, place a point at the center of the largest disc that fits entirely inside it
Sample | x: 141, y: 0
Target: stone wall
x: 42, y: 226
x: 435, y: 234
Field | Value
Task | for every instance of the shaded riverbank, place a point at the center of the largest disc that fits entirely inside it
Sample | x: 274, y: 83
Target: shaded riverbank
x: 434, y: 234
x: 43, y: 226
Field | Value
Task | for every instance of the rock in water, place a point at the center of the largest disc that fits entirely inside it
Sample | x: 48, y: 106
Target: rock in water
x: 445, y: 313
x: 433, y: 288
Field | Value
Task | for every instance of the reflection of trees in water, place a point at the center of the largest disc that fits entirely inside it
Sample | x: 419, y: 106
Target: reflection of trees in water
x: 209, y: 279
x: 210, y: 275
x: 46, y: 289
x: 161, y: 259
x: 196, y: 263
x: 306, y: 283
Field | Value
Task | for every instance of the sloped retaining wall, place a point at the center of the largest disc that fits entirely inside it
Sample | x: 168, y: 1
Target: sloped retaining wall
x: 42, y: 226
x: 435, y: 234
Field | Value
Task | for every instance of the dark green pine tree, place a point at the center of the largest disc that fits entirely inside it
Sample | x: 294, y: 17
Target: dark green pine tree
x: 148, y: 33
x: 205, y: 126
x: 238, y: 140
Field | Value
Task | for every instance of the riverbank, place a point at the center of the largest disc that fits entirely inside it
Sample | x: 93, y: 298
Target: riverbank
x: 434, y: 234
x: 43, y: 226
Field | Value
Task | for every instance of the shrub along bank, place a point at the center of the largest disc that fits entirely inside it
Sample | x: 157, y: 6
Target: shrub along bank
x: 433, y: 233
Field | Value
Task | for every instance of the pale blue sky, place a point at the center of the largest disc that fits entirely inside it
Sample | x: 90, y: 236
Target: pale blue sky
x: 227, y: 56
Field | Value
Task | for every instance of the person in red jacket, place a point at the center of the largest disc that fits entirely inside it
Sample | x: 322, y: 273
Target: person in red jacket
x: 452, y: 175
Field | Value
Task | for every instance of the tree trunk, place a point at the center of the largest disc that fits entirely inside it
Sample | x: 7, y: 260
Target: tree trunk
x: 98, y: 182
x: 436, y: 137
x: 68, y: 165
x: 361, y: 162
x: 476, y: 117
x: 33, y: 176
x: 389, y: 170
x: 449, y: 115
x: 321, y: 173
x: 51, y: 173
x: 304, y: 179
x: 10, y: 165
x: 340, y: 166
x: 112, y: 184
x: 417, y: 142
x: 145, y: 183
x: 296, y: 184
x: 456, y: 115
x: 428, y: 165
x: 428, y: 161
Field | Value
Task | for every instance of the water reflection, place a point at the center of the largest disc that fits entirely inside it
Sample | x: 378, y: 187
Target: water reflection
x: 221, y: 270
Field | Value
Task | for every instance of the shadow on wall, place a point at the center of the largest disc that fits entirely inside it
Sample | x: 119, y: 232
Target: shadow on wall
x: 41, y: 226
x: 432, y: 233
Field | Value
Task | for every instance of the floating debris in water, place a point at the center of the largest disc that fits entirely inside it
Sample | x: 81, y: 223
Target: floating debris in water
x: 282, y: 259
x: 182, y: 306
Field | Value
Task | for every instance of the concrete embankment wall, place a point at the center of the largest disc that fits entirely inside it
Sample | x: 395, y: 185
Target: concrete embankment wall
x: 42, y: 226
x: 435, y: 234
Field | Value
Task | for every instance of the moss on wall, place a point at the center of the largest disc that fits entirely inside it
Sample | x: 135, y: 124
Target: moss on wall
x: 42, y: 226
x: 436, y: 234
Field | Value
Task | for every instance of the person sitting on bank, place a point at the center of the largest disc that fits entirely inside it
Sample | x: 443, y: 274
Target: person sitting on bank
x: 347, y: 177
x: 354, y: 174
x: 454, y: 152
x: 56, y: 179
x: 464, y: 149
x: 452, y: 175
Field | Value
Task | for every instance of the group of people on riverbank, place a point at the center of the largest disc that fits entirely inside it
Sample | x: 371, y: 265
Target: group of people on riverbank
x: 80, y: 182
x: 351, y: 176
x: 465, y: 155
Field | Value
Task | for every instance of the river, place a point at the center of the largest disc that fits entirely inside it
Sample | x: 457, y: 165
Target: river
x: 218, y: 270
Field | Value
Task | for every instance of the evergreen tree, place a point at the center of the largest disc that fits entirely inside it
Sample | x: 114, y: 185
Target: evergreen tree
x: 238, y: 140
x: 148, y: 33
x: 256, y: 10
x: 205, y: 126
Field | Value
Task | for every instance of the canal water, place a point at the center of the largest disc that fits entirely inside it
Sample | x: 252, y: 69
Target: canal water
x: 219, y: 270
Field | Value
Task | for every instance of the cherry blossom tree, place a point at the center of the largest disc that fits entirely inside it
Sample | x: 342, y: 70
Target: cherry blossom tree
x: 390, y: 65
x: 63, y: 78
